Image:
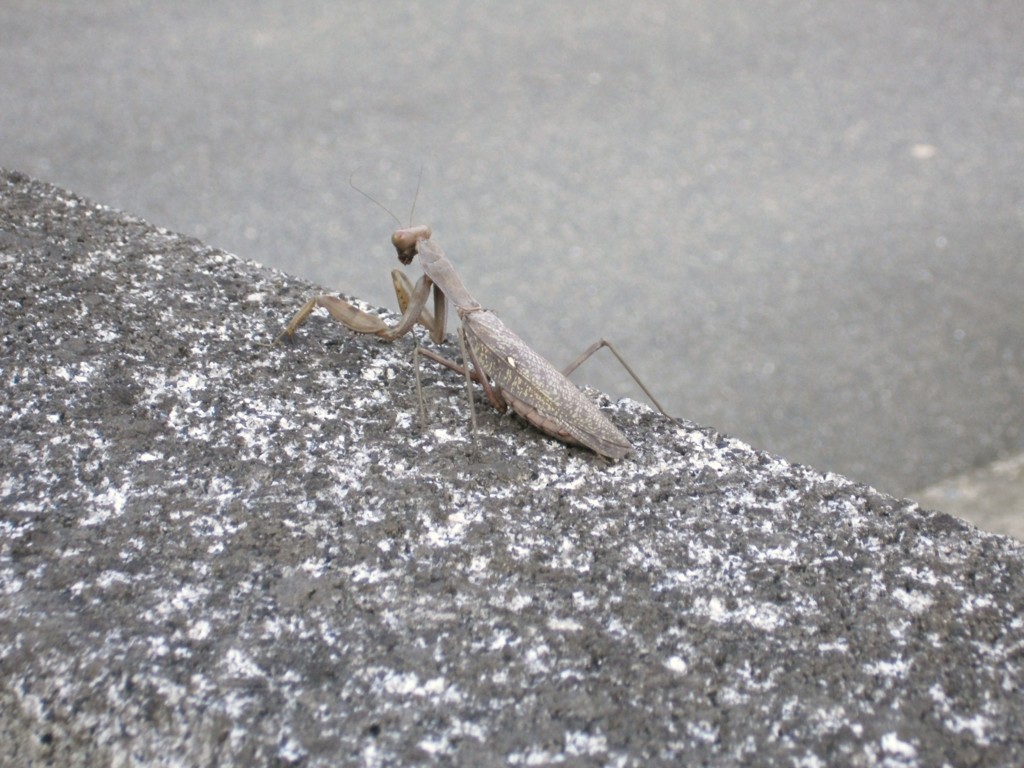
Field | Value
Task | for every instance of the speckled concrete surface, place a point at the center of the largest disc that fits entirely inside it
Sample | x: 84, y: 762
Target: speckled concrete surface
x: 804, y: 220
x: 217, y: 552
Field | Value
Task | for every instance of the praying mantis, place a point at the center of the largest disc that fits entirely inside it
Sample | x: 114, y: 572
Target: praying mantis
x: 511, y: 374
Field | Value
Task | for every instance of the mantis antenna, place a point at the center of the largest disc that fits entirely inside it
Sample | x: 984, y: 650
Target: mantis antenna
x: 375, y: 201
x: 381, y: 205
x: 416, y: 197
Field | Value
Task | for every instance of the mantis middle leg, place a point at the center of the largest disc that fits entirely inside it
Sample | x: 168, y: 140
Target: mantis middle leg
x: 412, y: 301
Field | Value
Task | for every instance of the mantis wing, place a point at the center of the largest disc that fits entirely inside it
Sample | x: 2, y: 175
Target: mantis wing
x: 537, y: 390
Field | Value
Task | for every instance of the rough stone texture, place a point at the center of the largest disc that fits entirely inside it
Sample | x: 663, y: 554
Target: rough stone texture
x: 218, y: 552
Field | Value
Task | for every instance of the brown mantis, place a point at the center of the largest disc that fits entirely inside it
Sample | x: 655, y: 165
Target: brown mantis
x: 510, y: 372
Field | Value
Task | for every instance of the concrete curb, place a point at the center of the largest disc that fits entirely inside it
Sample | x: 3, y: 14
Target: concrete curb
x: 216, y: 552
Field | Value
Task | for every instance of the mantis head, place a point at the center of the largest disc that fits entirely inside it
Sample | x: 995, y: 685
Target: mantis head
x: 405, y: 241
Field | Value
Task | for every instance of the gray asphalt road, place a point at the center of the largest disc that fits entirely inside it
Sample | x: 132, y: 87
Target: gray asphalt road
x: 802, y: 221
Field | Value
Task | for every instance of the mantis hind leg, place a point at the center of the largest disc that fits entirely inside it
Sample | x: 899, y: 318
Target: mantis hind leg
x: 585, y: 355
